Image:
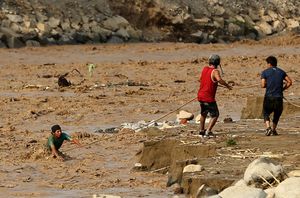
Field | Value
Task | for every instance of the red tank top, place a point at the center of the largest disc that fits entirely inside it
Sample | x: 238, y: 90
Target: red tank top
x: 208, y: 87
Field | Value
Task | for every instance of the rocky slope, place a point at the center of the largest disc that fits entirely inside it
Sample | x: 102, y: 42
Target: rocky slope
x: 46, y: 22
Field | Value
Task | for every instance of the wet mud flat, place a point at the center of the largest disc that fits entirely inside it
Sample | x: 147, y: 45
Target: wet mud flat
x: 120, y: 90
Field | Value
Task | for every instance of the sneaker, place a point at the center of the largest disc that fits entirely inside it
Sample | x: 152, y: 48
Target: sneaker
x: 202, y: 132
x: 274, y: 132
x: 268, y: 131
x: 209, y: 134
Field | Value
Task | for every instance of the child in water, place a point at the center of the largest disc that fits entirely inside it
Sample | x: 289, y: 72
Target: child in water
x: 56, y: 140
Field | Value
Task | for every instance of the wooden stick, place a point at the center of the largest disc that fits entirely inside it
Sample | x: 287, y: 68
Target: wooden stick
x: 273, y: 176
x: 265, y: 180
x: 234, y: 156
x: 199, y: 190
x: 175, y: 109
x: 288, y: 101
x: 81, y: 146
x: 160, y: 169
x: 166, y: 114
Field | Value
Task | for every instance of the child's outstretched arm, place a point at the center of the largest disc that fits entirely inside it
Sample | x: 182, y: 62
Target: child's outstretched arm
x: 75, y: 141
x: 55, y: 153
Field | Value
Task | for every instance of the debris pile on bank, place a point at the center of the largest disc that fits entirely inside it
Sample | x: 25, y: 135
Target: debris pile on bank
x: 189, y: 172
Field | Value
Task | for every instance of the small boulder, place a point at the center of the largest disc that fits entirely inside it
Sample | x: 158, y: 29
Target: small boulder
x: 262, y: 167
x: 184, y: 116
x: 294, y: 173
x: 192, y: 168
x: 239, y: 191
x: 270, y: 192
x: 240, y: 183
x: 288, y: 188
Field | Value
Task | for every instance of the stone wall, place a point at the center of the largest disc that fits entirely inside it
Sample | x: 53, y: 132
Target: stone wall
x: 48, y: 22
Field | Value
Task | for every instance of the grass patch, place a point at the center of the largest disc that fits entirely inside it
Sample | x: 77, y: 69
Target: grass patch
x: 231, y: 142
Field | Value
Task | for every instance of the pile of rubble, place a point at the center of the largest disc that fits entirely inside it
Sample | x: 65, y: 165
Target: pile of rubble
x: 263, y: 178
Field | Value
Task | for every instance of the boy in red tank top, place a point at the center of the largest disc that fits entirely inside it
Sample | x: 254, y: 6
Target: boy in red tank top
x: 209, y: 79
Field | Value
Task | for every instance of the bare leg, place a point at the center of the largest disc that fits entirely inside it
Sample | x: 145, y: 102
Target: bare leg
x: 202, y: 122
x: 267, y: 124
x: 212, y: 123
x: 268, y: 130
x: 274, y: 132
x: 274, y: 126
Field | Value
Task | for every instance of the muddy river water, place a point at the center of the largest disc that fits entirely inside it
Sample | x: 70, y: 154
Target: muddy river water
x: 165, y: 76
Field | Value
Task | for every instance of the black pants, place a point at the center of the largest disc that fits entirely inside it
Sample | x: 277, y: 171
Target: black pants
x: 272, y: 104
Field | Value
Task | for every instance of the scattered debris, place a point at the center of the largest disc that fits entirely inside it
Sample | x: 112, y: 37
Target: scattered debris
x: 49, y: 64
x: 183, y: 117
x: 91, y: 68
x: 30, y: 86
x: 63, y: 82
x: 179, y: 81
x: 108, y: 130
x: 228, y: 120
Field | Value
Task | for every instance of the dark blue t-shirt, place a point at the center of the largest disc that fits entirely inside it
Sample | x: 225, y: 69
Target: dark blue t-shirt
x: 274, y: 77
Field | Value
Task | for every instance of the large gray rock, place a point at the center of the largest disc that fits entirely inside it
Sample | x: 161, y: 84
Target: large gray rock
x: 278, y: 26
x: 235, y: 29
x: 66, y: 39
x: 219, y: 22
x: 41, y: 17
x: 248, y: 20
x: 65, y: 25
x: 15, y: 18
x: 53, y: 22
x: 81, y: 37
x: 86, y: 27
x: 16, y: 27
x: 11, y: 38
x: 115, y: 23
x: 115, y: 39
x: 134, y: 34
x: 242, y: 192
x: 265, y: 27
x: 43, y: 27
x: 14, y: 42
x: 8, y: 32
x: 5, y: 23
x: 274, y: 16
x: 32, y: 43
x: 262, y: 167
x: 29, y: 21
x: 2, y: 45
x: 218, y: 10
x: 104, y: 34
x: 291, y: 23
x: 122, y: 33
x: 289, y: 188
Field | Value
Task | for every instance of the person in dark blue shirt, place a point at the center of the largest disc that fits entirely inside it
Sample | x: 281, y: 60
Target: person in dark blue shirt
x: 273, y: 79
